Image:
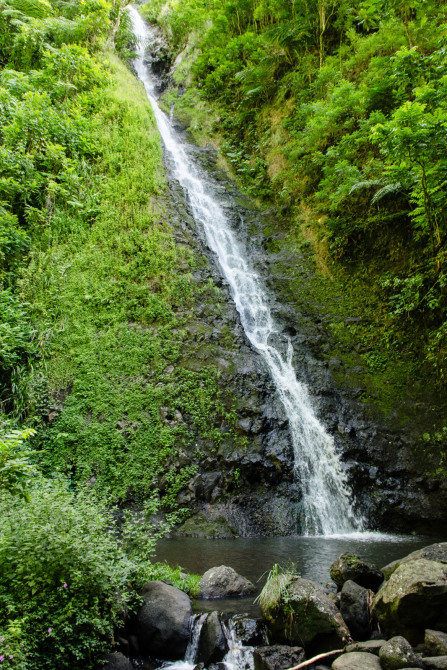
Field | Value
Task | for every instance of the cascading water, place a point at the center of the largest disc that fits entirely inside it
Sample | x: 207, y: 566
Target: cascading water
x: 327, y: 509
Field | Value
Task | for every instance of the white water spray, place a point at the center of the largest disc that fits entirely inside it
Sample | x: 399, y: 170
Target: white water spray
x: 327, y: 508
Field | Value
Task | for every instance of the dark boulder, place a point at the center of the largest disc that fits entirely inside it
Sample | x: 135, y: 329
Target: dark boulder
x: 212, y: 643
x: 163, y: 621
x: 224, y: 582
x: 352, y: 567
x: 355, y: 608
x: 251, y: 632
x: 277, y: 657
x: 397, y: 654
x: 117, y: 661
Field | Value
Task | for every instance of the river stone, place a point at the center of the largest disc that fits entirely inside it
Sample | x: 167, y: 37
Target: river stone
x: 435, y: 663
x: 371, y: 646
x: 414, y: 597
x: 224, y: 582
x: 117, y: 661
x: 434, y: 552
x: 435, y: 643
x: 277, y: 657
x: 301, y: 613
x: 250, y: 632
x: 356, y: 660
x: 212, y: 643
x: 351, y: 567
x: 355, y: 608
x: 397, y: 653
x: 163, y: 621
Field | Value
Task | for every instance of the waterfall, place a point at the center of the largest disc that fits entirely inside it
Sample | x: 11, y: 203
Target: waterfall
x: 326, y: 503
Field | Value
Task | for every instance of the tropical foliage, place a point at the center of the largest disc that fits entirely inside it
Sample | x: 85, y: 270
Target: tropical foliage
x: 339, y: 108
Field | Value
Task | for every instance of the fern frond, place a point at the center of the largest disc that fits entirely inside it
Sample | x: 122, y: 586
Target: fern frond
x: 389, y: 189
x: 360, y: 185
x: 36, y: 9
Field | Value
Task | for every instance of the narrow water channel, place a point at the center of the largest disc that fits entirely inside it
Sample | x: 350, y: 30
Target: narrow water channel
x: 326, y: 499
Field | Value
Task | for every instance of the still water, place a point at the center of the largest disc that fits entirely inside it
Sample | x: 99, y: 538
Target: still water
x: 254, y: 557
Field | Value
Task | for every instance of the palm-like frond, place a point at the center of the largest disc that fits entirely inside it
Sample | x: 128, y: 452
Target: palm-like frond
x: 36, y: 9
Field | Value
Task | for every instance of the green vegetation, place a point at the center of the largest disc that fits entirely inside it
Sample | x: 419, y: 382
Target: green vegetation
x: 337, y: 111
x: 91, y: 283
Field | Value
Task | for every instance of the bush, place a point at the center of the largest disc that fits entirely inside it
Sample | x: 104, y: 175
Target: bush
x: 66, y: 575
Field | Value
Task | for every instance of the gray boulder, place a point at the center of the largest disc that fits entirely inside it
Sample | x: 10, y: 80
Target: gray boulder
x: 277, y: 657
x: 414, y: 598
x: 355, y: 608
x: 434, y: 552
x: 435, y: 643
x: 397, y: 653
x: 212, y: 643
x: 163, y: 621
x: 371, y: 646
x: 299, y: 612
x: 356, y: 660
x: 435, y: 663
x: 350, y: 566
x: 224, y: 582
x: 117, y: 661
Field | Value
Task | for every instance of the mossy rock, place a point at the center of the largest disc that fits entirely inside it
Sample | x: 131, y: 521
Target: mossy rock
x: 413, y: 599
x: 300, y: 613
x: 351, y: 567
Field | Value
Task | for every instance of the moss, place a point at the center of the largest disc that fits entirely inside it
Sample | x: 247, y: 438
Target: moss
x: 126, y: 384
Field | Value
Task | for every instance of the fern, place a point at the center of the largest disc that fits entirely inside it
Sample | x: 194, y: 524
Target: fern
x: 388, y: 189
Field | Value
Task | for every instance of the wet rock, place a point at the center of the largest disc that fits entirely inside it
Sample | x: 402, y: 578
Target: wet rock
x: 414, y: 597
x: 117, y: 661
x: 224, y: 582
x: 277, y: 657
x: 371, y: 646
x: 435, y: 643
x: 212, y: 643
x: 397, y: 653
x: 251, y: 632
x: 310, y: 617
x: 355, y: 608
x: 434, y: 552
x: 356, y: 661
x: 435, y: 663
x: 351, y: 567
x: 163, y: 621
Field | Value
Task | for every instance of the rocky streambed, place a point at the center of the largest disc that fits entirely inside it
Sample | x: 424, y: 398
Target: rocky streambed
x: 392, y: 618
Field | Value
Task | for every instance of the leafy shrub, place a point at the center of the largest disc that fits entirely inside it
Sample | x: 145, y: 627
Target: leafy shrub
x: 66, y: 574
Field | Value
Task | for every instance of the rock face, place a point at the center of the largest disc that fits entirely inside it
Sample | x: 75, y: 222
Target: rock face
x: 212, y: 643
x: 224, y: 582
x: 414, y: 597
x: 117, y: 661
x: 306, y: 616
x: 435, y: 643
x: 356, y: 661
x: 397, y: 653
x: 355, y: 608
x: 277, y: 657
x: 163, y: 621
x: 352, y: 567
